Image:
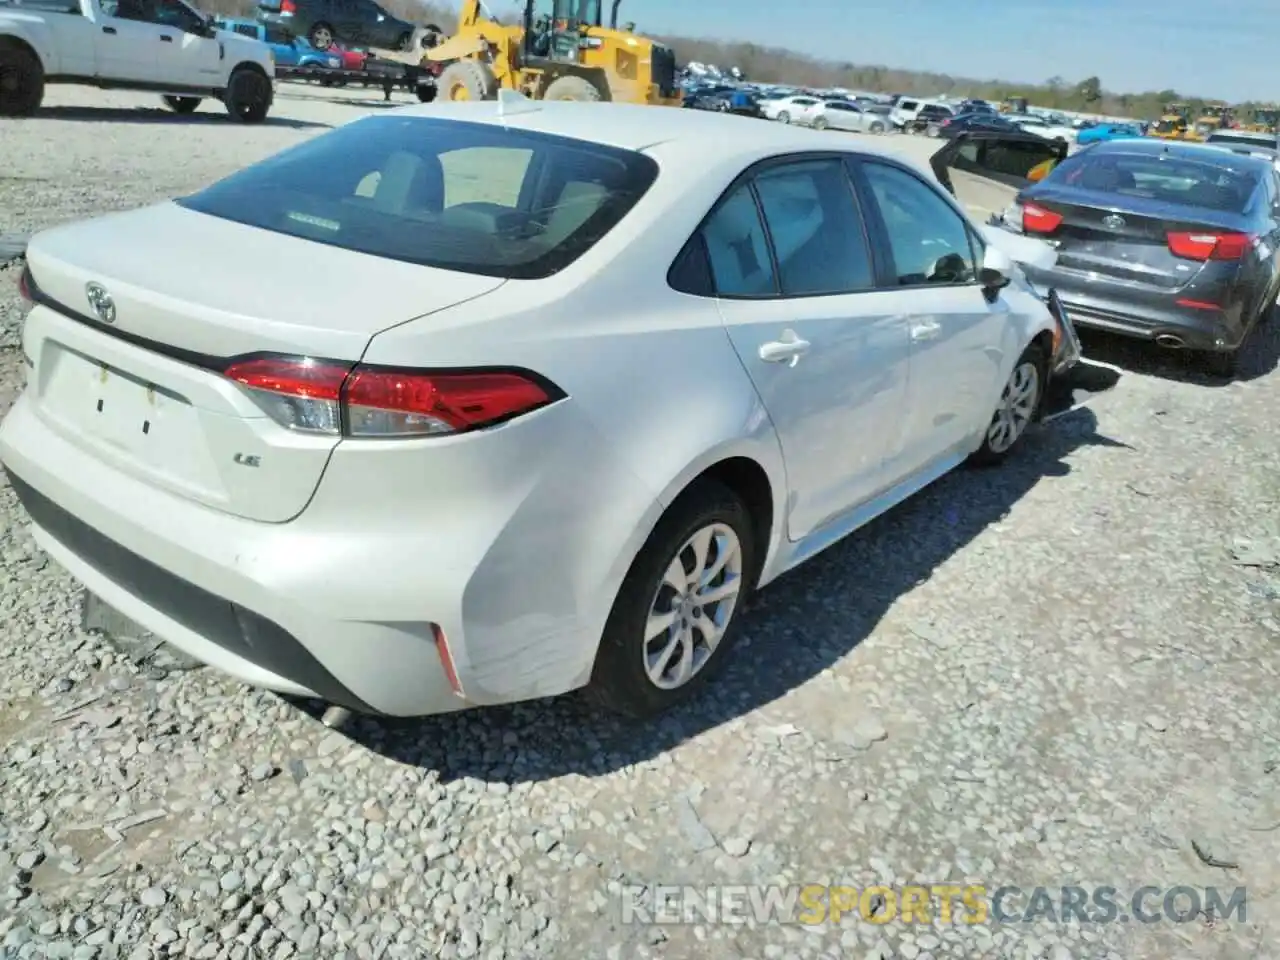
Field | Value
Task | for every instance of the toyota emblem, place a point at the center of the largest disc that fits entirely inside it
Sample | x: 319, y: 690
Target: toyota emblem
x: 101, y: 302
x: 1113, y: 222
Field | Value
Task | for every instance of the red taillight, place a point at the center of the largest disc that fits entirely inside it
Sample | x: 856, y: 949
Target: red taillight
x: 1209, y: 246
x: 26, y: 287
x: 1039, y: 220
x: 316, y: 396
x: 288, y: 6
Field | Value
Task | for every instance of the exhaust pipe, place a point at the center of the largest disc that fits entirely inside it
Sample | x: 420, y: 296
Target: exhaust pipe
x: 1170, y: 341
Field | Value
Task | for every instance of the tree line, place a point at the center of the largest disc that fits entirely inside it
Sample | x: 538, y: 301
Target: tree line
x: 767, y: 64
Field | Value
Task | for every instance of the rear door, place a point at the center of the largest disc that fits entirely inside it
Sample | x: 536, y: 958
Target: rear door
x: 827, y: 357
x: 127, y: 44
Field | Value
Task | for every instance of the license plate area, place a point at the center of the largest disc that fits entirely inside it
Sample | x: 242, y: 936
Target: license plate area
x: 145, y: 426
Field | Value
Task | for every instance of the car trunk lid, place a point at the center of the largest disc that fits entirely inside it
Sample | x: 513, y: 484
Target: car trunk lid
x: 1121, y: 238
x: 138, y: 383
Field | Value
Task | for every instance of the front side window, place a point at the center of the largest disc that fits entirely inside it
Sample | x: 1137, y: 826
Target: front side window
x: 818, y: 237
x: 171, y: 13
x: 929, y: 241
x: 459, y: 196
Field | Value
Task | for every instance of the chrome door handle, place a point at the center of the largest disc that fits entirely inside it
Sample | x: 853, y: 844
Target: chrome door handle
x: 788, y: 350
x: 925, y: 331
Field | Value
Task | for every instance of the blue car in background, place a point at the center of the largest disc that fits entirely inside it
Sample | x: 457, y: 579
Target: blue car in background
x: 1107, y: 131
x: 289, y: 51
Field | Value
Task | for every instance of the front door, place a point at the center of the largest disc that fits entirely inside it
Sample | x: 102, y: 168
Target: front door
x: 187, y: 58
x: 955, y: 332
x: 827, y: 358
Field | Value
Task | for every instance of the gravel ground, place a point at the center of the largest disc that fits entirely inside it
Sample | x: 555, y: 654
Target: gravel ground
x: 1061, y: 672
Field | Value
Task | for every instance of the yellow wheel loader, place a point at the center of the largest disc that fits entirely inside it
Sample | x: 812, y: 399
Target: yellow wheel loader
x: 560, y: 51
x: 1174, y: 125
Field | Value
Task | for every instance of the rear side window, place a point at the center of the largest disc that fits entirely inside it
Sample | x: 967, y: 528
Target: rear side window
x: 738, y: 249
x: 810, y: 242
x: 460, y: 196
x: 1159, y: 177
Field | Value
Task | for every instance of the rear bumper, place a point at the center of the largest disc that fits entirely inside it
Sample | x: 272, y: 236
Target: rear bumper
x: 343, y: 602
x: 1148, y: 315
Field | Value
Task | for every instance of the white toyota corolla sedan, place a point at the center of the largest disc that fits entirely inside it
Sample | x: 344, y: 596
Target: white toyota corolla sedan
x: 445, y: 408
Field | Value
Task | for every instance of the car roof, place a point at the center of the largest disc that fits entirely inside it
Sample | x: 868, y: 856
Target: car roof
x: 640, y: 127
x: 1189, y: 151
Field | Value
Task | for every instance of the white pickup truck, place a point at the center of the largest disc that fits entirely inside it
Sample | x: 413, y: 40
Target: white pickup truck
x: 163, y: 46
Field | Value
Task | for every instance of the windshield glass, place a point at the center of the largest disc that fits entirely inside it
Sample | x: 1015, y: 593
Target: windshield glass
x: 1168, y: 126
x: 1189, y: 182
x: 460, y: 196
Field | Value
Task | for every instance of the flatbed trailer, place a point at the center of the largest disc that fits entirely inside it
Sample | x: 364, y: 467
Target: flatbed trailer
x: 388, y: 69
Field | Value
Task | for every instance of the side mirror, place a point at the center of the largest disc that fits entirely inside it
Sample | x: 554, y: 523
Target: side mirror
x: 995, y: 273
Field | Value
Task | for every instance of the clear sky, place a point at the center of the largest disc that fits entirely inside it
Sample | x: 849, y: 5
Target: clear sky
x: 1228, y: 49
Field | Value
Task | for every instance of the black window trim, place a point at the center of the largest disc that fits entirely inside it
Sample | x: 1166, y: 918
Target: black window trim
x: 890, y: 279
x: 747, y: 178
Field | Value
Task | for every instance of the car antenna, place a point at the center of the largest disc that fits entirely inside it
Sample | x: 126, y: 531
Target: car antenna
x: 514, y: 102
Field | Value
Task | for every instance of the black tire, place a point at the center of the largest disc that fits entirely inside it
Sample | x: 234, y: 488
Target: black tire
x: 579, y: 89
x: 467, y: 80
x: 820, y: 123
x: 1221, y: 363
x: 321, y: 36
x: 21, y: 80
x: 426, y: 92
x: 877, y: 127
x: 990, y: 454
x: 248, y: 96
x: 619, y: 681
x: 784, y: 117
x: 182, y: 104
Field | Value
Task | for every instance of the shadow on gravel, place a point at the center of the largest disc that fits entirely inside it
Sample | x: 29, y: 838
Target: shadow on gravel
x: 796, y: 627
x: 1259, y: 356
x: 363, y: 104
x: 161, y: 116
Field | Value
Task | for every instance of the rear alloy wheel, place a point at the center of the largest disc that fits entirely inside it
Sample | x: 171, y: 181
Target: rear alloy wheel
x: 1019, y: 402
x: 21, y: 80
x: 820, y: 123
x: 784, y: 117
x: 877, y: 127
x: 182, y: 104
x: 679, y: 608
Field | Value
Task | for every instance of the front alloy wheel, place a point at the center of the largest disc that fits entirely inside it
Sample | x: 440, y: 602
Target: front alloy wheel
x: 1018, y: 405
x: 692, y: 606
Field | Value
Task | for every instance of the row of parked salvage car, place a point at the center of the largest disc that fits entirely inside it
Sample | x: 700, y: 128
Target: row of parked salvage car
x: 554, y: 438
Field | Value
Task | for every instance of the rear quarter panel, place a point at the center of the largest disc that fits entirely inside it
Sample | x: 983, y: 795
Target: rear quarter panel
x: 63, y: 42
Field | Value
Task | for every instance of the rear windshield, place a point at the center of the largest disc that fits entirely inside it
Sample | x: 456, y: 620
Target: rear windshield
x: 1266, y: 143
x: 1159, y: 177
x: 460, y: 196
